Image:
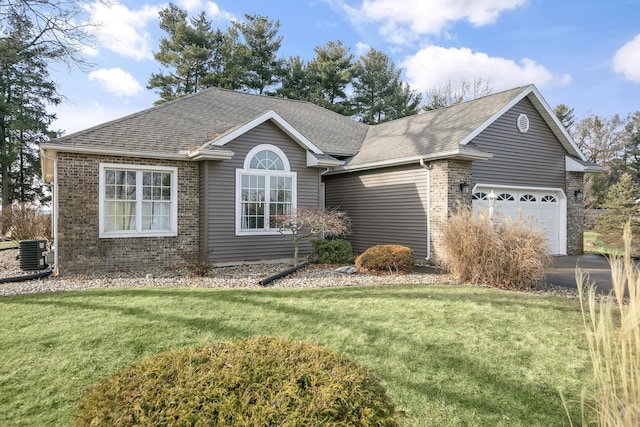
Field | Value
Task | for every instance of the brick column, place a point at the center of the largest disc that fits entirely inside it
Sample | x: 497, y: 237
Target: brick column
x: 445, y: 197
x: 575, y: 213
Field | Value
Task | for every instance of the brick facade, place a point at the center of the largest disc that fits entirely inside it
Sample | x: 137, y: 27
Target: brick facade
x: 79, y: 247
x: 445, y: 197
x: 575, y: 213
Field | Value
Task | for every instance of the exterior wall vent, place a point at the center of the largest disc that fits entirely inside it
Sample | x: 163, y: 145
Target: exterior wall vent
x: 33, y: 255
x: 523, y: 123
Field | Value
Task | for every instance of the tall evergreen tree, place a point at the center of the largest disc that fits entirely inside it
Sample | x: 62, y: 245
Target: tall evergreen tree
x: 330, y: 73
x: 566, y: 117
x: 620, y: 206
x: 255, y: 53
x: 25, y: 91
x: 296, y: 81
x: 34, y: 34
x: 194, y: 53
x: 379, y: 95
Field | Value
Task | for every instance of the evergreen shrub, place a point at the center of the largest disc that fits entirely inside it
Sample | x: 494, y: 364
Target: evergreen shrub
x: 332, y: 251
x: 386, y: 258
x: 262, y: 381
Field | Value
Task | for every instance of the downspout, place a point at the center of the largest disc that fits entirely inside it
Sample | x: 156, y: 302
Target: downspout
x: 428, y: 169
x: 54, y: 208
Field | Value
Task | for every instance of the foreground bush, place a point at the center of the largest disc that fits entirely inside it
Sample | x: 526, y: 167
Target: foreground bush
x: 510, y: 254
x: 255, y: 382
x: 386, y: 258
x: 25, y: 221
x: 332, y: 251
x: 612, y: 328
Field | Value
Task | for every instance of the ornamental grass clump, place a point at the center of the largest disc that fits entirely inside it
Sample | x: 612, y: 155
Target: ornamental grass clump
x: 386, y: 259
x: 612, y: 327
x: 261, y: 381
x: 509, y: 254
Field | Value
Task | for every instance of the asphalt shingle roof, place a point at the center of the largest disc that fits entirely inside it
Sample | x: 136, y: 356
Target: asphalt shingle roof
x: 435, y: 131
x: 193, y: 120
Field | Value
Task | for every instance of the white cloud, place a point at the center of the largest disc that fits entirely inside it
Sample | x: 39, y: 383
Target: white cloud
x: 117, y: 81
x: 626, y: 60
x: 434, y: 66
x: 362, y: 49
x: 213, y: 11
x: 404, y: 20
x: 123, y: 30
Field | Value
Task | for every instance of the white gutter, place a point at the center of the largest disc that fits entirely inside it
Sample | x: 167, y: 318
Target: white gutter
x: 428, y: 169
x: 182, y: 155
x: 54, y: 208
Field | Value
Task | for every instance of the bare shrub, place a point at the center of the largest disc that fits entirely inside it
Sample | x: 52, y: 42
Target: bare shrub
x: 198, y: 262
x: 386, y: 258
x: 612, y: 328
x: 25, y: 221
x: 510, y: 254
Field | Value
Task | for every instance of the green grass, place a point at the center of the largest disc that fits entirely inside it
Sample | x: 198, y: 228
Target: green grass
x: 449, y: 355
x: 593, y: 244
x: 8, y: 244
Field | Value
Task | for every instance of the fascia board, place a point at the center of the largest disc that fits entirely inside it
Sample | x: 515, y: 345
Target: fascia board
x: 182, y: 155
x: 454, y: 154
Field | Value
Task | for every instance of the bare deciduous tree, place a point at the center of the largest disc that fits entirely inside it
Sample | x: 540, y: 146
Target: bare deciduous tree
x: 303, y: 223
x: 452, y: 93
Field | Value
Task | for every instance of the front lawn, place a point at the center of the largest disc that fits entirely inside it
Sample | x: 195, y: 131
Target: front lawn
x: 449, y: 355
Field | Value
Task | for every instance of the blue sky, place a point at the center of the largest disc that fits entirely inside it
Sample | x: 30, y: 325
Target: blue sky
x: 585, y: 54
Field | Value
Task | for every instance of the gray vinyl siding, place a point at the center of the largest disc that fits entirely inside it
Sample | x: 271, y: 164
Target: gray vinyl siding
x: 535, y: 158
x: 385, y: 206
x: 218, y: 213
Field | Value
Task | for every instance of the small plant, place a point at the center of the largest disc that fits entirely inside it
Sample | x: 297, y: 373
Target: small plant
x: 613, y: 333
x: 510, y: 254
x: 198, y: 263
x: 25, y: 221
x: 303, y: 223
x: 261, y: 381
x: 332, y: 251
x: 386, y: 258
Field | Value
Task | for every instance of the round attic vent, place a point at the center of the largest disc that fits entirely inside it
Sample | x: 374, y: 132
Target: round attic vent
x: 523, y: 123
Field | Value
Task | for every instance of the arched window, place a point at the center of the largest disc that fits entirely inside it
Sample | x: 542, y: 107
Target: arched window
x: 265, y: 188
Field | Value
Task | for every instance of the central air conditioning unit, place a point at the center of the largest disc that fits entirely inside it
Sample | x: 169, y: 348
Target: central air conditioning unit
x: 33, y: 255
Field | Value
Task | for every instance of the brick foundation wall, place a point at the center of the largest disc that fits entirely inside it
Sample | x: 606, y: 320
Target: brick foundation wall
x: 79, y: 248
x: 445, y: 197
x: 575, y: 214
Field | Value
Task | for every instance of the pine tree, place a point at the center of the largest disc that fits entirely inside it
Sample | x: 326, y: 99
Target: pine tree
x: 35, y: 33
x: 254, y: 53
x: 25, y: 91
x: 330, y: 72
x: 379, y: 95
x: 194, y: 53
x: 296, y: 82
x: 620, y: 206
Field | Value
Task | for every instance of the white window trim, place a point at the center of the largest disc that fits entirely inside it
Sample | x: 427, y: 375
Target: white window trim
x: 139, y: 232
x: 267, y: 174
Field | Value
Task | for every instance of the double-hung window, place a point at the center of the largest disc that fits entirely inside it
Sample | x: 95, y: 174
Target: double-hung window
x: 265, y: 188
x: 137, y: 201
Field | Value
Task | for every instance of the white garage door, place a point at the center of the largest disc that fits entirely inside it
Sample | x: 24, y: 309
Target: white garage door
x: 545, y: 209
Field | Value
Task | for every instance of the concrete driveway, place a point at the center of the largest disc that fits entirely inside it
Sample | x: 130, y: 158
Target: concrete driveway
x: 563, y: 271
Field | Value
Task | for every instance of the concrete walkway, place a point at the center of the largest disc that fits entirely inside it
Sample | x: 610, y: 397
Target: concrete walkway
x: 563, y: 271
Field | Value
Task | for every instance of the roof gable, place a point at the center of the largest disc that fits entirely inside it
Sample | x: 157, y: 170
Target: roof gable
x: 543, y: 108
x: 224, y: 139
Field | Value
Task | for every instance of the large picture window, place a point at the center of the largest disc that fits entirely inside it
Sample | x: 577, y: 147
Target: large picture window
x: 137, y: 201
x: 265, y: 188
